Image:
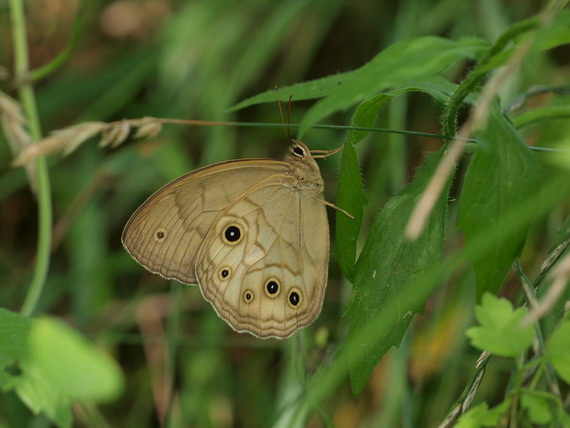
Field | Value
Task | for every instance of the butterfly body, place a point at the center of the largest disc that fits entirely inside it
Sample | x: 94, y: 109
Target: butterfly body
x: 253, y: 234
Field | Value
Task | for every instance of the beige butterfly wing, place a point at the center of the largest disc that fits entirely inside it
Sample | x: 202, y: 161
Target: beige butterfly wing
x: 166, y: 231
x: 264, y: 262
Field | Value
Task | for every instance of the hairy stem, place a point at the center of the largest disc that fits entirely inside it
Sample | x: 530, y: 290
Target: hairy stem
x: 476, y: 76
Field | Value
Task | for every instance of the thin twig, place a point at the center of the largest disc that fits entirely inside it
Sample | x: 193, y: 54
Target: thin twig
x: 538, y: 345
x: 464, y: 401
x: 115, y: 133
x: 551, y: 259
x: 561, y: 275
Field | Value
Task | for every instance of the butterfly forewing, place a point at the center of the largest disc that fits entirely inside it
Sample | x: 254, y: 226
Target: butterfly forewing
x: 165, y: 232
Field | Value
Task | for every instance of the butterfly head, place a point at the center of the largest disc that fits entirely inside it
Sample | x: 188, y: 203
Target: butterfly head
x: 304, y: 167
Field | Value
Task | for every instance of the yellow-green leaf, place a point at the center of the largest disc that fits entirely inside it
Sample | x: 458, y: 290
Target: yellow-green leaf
x: 69, y: 363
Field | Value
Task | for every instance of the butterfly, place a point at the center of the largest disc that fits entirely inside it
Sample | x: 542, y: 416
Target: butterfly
x: 252, y: 233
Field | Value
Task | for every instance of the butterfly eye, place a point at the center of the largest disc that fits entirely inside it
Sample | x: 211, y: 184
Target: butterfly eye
x: 159, y: 235
x: 248, y: 296
x: 295, y: 297
x: 232, y: 234
x: 224, y: 273
x: 272, y: 288
x: 298, y: 151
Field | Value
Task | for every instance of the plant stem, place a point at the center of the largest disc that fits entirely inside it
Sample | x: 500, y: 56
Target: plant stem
x: 476, y: 76
x: 530, y: 293
x: 28, y: 100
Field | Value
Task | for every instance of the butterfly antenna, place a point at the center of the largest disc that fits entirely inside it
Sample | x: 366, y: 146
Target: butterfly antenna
x: 326, y: 153
x: 286, y: 128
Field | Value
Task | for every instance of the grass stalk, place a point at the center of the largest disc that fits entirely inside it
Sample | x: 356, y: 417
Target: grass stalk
x: 28, y: 101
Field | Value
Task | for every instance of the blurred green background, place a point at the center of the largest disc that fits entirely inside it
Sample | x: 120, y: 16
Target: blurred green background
x: 195, y: 59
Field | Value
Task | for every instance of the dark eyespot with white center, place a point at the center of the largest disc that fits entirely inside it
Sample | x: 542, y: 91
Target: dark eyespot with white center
x: 299, y: 151
x: 159, y: 235
x: 224, y: 273
x: 272, y: 287
x: 232, y: 234
x: 295, y: 298
x: 248, y: 296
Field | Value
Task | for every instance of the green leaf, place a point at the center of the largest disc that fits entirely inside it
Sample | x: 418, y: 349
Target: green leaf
x: 70, y: 364
x: 312, y: 89
x: 386, y: 292
x: 409, y: 65
x: 502, y: 173
x: 436, y: 86
x: 564, y: 419
x: 34, y: 391
x: 482, y: 416
x: 538, y: 408
x: 558, y: 350
x: 496, y: 61
x: 365, y: 115
x: 556, y: 33
x: 351, y: 195
x: 40, y: 395
x: 542, y: 114
x: 352, y: 198
x: 500, y: 332
x: 14, y: 332
x: 401, y: 64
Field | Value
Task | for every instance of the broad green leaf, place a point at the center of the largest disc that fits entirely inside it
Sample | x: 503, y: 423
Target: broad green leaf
x: 366, y: 113
x: 385, y: 286
x: 70, y: 364
x: 365, y: 116
x: 401, y: 64
x: 558, y: 350
x: 312, y: 89
x: 501, y: 174
x: 436, y: 86
x: 538, y: 408
x: 482, y: 416
x: 412, y: 65
x: 14, y: 331
x: 9, y: 378
x: 352, y: 198
x: 351, y: 195
x: 556, y: 33
x: 500, y: 332
x: 37, y: 394
x: 40, y: 396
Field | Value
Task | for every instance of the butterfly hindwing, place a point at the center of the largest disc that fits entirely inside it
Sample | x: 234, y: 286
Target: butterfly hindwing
x: 263, y: 264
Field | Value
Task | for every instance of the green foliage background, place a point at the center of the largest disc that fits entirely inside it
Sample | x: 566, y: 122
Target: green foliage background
x: 366, y: 63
